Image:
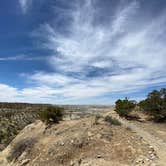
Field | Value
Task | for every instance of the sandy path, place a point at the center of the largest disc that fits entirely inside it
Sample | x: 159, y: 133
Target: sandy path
x: 158, y: 144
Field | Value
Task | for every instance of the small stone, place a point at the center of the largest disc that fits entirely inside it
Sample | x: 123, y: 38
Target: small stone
x: 152, y: 157
x: 151, y: 147
x: 62, y: 143
x: 150, y: 152
x: 71, y: 163
x: 89, y: 134
x: 99, y: 156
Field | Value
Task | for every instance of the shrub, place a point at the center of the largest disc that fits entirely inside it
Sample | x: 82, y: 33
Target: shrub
x: 112, y: 121
x: 128, y: 128
x: 51, y: 114
x: 20, y: 147
x: 124, y: 107
x: 97, y: 117
x: 155, y: 105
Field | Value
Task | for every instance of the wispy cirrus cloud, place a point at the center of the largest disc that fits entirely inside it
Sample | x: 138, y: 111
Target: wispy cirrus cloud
x: 88, y: 44
x: 22, y: 58
x: 116, y: 56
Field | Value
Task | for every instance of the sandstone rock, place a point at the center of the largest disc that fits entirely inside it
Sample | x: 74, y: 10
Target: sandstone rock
x: 98, y: 156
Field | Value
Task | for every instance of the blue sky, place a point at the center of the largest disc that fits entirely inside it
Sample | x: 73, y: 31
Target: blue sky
x: 81, y: 52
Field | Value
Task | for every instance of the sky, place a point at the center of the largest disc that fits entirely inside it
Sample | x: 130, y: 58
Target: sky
x: 81, y: 51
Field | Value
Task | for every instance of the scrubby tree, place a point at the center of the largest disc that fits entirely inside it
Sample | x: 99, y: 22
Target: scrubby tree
x: 155, y: 104
x: 124, y: 107
x: 51, y: 114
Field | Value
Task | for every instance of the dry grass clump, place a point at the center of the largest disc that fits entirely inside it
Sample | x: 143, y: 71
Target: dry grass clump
x: 112, y: 121
x: 20, y: 147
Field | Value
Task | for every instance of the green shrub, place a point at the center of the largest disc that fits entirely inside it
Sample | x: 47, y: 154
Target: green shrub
x: 124, y: 107
x: 51, y: 114
x: 155, y: 105
x: 112, y: 121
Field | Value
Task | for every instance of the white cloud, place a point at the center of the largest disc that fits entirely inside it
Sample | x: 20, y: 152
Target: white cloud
x: 41, y: 94
x: 102, y: 64
x: 23, y: 57
x: 12, y: 58
x: 86, y: 42
x: 24, y: 4
x: 123, y: 17
x: 55, y: 79
x: 7, y: 92
x: 133, y: 58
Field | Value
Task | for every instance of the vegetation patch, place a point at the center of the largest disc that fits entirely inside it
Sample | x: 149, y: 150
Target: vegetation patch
x: 155, y: 105
x: 51, y: 114
x: 124, y: 107
x: 20, y: 147
x: 97, y: 117
x: 112, y: 121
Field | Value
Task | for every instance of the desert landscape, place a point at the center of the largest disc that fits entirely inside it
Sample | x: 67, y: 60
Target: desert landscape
x: 82, y: 83
x: 86, y: 136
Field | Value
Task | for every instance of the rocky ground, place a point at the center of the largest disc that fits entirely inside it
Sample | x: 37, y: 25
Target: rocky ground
x: 153, y: 133
x: 155, y: 129
x: 82, y: 142
x: 15, y: 116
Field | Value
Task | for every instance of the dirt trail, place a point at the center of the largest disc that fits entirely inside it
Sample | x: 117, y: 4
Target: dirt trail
x: 158, y: 144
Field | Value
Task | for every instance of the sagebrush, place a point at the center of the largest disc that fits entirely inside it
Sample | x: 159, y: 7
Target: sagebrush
x: 112, y: 121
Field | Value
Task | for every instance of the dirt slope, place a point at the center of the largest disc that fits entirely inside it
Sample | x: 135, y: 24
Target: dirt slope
x: 158, y: 143
x: 77, y: 143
